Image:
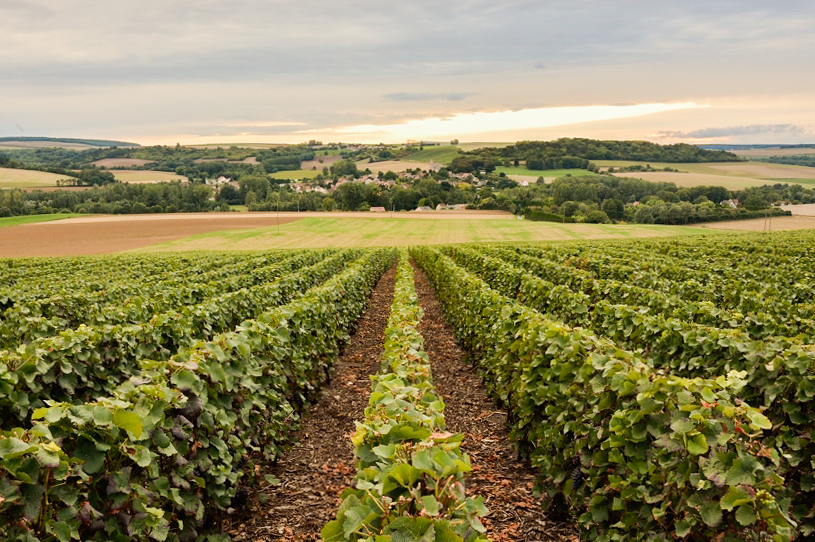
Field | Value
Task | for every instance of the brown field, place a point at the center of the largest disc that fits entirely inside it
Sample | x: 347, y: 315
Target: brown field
x: 44, y: 144
x: 397, y: 166
x: 120, y: 162
x: 807, y: 209
x: 55, y: 188
x: 778, y: 223
x: 768, y: 171
x: 774, y: 151
x: 145, y: 176
x: 316, y: 163
x: 105, y: 234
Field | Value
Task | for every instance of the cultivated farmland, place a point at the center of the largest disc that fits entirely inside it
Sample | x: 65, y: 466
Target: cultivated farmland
x: 655, y: 390
x: 28, y: 179
x: 145, y: 176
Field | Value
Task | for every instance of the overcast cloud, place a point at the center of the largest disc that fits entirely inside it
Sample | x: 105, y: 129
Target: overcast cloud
x: 168, y: 69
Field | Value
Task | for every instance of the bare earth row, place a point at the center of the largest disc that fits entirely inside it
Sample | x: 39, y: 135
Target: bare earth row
x: 314, y: 473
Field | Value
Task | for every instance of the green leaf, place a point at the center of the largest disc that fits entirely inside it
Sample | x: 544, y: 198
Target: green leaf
x: 431, y: 505
x: 697, y: 445
x: 333, y: 532
x: 711, y: 513
x: 758, y: 420
x: 354, y: 519
x: 736, y: 496
x: 682, y: 528
x: 683, y: 425
x: 745, y: 515
x: 13, y: 447
x: 742, y: 471
x: 129, y: 421
x: 86, y: 451
x: 61, y: 530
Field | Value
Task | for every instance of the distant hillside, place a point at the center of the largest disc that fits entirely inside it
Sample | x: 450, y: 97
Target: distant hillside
x: 61, y: 142
x: 580, y: 152
x: 723, y: 147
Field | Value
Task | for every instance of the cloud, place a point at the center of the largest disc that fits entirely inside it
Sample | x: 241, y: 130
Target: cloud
x: 427, y: 97
x: 753, y: 129
x: 463, y: 124
x: 264, y: 124
x: 84, y: 66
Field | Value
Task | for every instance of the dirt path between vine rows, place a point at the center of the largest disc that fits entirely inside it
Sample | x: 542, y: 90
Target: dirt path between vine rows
x: 506, y: 485
x: 315, y: 472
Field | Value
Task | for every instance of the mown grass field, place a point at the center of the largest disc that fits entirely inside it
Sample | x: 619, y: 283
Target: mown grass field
x: 443, y: 154
x: 545, y: 173
x: 365, y: 232
x: 29, y: 219
x: 473, y: 145
x: 24, y: 178
x: 295, y: 174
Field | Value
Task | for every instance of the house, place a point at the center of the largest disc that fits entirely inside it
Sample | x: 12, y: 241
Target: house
x: 378, y: 210
x: 732, y: 203
x: 424, y: 208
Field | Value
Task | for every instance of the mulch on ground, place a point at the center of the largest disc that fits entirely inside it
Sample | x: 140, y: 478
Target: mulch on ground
x: 314, y: 473
x: 506, y: 484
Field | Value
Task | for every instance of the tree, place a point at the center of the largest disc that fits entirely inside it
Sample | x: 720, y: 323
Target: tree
x: 229, y: 194
x: 250, y: 198
x: 597, y: 217
x: 754, y: 201
x: 344, y: 167
x: 535, y: 164
x: 644, y: 215
x: 329, y: 204
x: 614, y: 208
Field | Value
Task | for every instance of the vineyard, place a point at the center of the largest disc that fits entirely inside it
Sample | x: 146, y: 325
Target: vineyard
x: 656, y: 390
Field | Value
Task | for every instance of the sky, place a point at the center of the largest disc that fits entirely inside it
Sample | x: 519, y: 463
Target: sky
x: 182, y: 71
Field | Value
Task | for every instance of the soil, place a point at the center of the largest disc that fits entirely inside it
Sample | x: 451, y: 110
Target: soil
x: 315, y: 472
x: 504, y: 483
x: 95, y: 235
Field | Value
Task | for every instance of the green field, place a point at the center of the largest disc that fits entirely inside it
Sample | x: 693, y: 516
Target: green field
x: 366, y: 232
x: 545, y: 173
x: 25, y: 178
x: 295, y: 174
x: 443, y: 154
x: 473, y: 145
x: 28, y: 219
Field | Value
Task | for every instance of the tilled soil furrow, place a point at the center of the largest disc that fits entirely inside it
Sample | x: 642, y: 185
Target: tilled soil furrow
x: 506, y: 484
x: 315, y: 472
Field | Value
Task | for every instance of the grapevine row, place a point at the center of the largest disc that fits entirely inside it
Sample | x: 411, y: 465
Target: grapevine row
x: 658, y: 455
x: 409, y: 481
x: 175, y: 443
